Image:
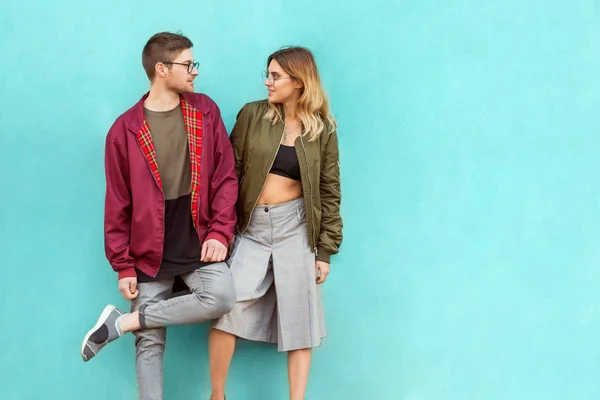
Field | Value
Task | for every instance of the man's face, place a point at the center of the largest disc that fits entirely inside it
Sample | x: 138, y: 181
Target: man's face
x: 180, y: 78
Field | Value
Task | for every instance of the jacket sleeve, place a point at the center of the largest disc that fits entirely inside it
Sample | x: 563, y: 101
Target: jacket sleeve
x: 117, y: 209
x: 224, y: 185
x: 238, y: 138
x: 330, y: 237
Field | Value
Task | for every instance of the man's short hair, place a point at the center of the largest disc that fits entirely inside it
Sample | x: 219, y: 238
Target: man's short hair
x: 163, y: 46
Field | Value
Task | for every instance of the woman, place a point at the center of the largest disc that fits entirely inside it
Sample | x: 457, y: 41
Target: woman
x: 289, y: 224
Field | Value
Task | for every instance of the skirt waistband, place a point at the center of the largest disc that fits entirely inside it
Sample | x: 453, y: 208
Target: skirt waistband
x: 279, y: 209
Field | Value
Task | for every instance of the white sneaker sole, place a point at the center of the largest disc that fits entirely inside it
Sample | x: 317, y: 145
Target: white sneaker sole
x: 105, y: 313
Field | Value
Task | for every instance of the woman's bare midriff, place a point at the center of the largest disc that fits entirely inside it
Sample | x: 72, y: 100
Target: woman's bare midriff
x: 279, y: 189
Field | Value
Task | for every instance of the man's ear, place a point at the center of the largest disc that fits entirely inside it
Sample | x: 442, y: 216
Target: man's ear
x: 160, y: 69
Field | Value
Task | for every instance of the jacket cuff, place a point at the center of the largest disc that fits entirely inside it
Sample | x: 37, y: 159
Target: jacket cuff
x: 127, y: 273
x: 219, y: 237
x: 323, y: 255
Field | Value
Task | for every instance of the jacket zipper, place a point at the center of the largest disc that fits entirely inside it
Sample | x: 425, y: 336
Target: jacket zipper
x: 311, y: 192
x: 162, y: 193
x: 263, y: 185
x: 198, y: 194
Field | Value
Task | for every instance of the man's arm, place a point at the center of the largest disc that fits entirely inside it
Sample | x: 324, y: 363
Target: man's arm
x: 117, y: 209
x: 224, y: 189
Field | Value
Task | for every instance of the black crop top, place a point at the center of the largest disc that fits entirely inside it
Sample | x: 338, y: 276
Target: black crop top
x: 286, y: 163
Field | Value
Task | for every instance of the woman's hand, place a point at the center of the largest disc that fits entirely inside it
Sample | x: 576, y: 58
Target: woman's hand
x: 321, y: 271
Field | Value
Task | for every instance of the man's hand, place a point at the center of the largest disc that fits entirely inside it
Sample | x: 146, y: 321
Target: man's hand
x: 321, y: 271
x: 213, y: 251
x: 128, y: 288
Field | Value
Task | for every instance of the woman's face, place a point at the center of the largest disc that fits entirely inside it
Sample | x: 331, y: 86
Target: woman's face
x: 282, y: 87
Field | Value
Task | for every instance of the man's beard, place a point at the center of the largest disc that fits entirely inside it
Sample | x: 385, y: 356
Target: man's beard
x: 179, y: 89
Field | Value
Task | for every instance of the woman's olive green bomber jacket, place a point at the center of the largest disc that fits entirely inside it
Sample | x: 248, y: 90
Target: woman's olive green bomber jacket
x: 255, y: 143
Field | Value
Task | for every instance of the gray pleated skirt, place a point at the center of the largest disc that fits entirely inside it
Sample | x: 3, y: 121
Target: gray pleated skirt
x: 273, y: 267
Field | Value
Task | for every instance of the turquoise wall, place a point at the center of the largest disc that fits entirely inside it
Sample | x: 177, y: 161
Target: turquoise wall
x: 470, y: 158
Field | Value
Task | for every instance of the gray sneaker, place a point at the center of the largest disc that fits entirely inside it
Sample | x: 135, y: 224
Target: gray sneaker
x: 105, y: 331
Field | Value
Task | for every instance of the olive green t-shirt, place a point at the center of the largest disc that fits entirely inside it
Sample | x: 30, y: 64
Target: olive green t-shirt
x: 181, y: 252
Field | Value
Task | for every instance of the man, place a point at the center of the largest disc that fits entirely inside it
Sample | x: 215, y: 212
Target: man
x: 171, y: 189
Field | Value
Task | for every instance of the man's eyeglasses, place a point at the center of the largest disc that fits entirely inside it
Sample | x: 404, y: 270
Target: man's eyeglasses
x: 271, y: 79
x: 190, y: 66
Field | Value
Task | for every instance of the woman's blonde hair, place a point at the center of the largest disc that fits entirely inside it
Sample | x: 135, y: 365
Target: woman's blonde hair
x: 313, y: 108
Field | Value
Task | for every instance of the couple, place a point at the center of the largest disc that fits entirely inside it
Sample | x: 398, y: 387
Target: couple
x: 176, y: 188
